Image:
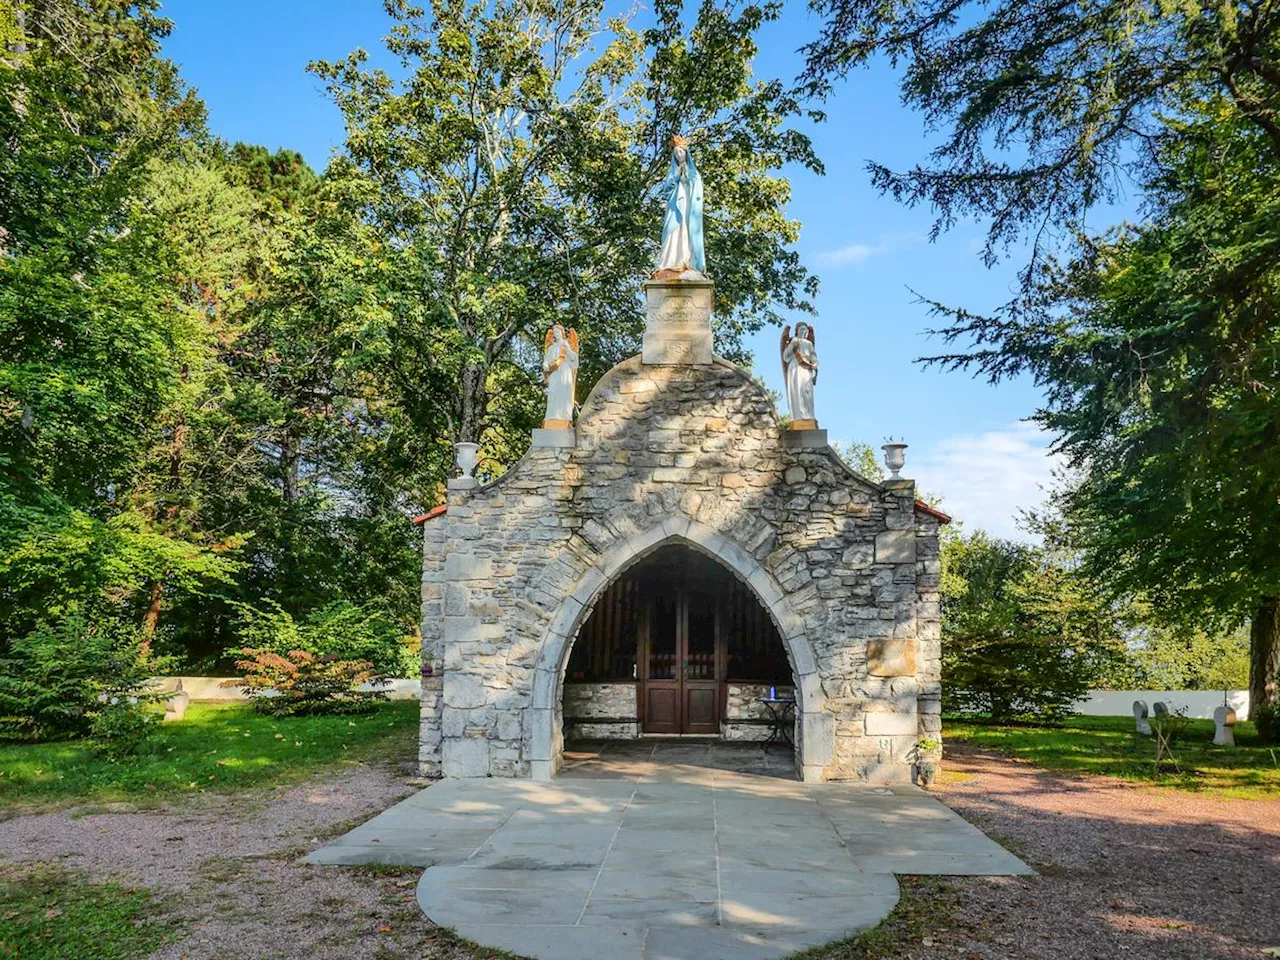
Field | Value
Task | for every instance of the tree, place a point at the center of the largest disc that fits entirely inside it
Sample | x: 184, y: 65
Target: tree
x: 1158, y: 348
x: 93, y: 346
x: 1170, y: 657
x: 512, y: 178
x: 1049, y: 109
x: 1023, y: 635
x: 189, y: 417
x: 291, y: 448
x: 861, y: 458
x: 1156, y: 344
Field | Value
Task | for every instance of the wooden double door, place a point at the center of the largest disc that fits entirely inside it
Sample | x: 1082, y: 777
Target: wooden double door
x: 680, y: 626
x: 681, y: 659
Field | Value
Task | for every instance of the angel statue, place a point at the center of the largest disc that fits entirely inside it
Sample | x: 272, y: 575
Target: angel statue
x: 560, y: 373
x: 682, y: 251
x: 800, y: 370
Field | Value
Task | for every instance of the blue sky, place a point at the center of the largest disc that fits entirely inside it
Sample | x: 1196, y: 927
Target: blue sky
x: 967, y: 442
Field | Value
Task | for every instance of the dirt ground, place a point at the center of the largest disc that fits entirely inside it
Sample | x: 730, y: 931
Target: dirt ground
x: 226, y: 869
x: 1124, y: 871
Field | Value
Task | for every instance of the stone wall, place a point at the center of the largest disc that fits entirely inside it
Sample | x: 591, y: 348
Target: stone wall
x: 692, y: 454
x: 611, y: 703
x: 745, y: 717
x: 433, y: 615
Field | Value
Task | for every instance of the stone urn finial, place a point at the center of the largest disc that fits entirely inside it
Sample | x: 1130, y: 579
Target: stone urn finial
x: 895, y: 458
x: 468, y: 455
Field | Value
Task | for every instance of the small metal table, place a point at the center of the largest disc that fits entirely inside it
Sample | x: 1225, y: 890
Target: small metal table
x: 782, y: 711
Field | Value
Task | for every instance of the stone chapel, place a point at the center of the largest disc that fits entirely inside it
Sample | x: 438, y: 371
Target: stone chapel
x: 675, y: 563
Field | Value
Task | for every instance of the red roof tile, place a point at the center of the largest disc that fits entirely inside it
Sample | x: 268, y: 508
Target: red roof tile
x: 431, y: 514
x: 932, y: 511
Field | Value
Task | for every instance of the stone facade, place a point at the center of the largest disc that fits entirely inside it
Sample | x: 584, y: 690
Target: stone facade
x: 690, y: 453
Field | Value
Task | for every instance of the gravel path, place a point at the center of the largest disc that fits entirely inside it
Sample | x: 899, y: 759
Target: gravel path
x: 227, y: 869
x: 1125, y: 870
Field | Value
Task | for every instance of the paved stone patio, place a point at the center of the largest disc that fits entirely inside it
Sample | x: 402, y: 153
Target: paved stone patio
x: 664, y: 850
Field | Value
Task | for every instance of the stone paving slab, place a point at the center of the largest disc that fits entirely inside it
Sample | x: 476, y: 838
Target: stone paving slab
x: 665, y: 861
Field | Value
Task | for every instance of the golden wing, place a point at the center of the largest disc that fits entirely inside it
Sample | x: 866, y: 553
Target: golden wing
x: 573, y: 339
x: 811, y: 340
x: 782, y: 350
x: 546, y: 343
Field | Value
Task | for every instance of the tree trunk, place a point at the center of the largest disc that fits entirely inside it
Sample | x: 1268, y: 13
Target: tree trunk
x: 1264, y: 655
x: 472, y: 386
x: 152, y: 618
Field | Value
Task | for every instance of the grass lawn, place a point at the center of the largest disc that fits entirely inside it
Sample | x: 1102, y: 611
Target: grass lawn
x: 48, y: 914
x: 922, y: 915
x: 216, y: 747
x: 1109, y: 746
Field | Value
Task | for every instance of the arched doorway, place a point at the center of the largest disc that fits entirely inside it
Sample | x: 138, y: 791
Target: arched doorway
x: 677, y: 645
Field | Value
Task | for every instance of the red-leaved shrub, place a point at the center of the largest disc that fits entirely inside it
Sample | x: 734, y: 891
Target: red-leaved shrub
x: 302, y: 683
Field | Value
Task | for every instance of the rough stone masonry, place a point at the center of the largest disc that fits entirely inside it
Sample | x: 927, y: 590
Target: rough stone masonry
x: 680, y: 446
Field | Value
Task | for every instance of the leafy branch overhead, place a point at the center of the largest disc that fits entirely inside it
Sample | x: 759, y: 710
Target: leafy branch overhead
x: 1047, y: 109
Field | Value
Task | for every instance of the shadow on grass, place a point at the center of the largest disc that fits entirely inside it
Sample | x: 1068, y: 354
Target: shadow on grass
x: 216, y: 747
x: 1109, y: 746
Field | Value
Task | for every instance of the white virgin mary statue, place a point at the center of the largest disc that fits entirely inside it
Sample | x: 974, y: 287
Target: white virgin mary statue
x: 800, y: 371
x: 682, y: 252
x: 560, y: 373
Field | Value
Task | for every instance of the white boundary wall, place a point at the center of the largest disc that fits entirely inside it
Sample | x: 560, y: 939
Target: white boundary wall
x: 1199, y: 703
x: 211, y: 689
x: 1099, y: 703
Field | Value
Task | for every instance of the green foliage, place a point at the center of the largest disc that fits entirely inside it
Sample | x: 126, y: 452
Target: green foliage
x: 1047, y: 109
x: 1175, y: 658
x: 1267, y: 719
x: 97, y: 354
x: 283, y: 176
x: 51, y: 914
x: 1108, y: 746
x: 514, y: 173
x: 214, y: 748
x: 221, y: 383
x: 56, y: 681
x: 297, y: 683
x: 862, y: 458
x: 1022, y: 636
x: 11, y: 35
x: 339, y: 629
x: 175, y: 384
x: 56, y: 564
x: 120, y: 728
x: 91, y: 354
x: 1155, y: 347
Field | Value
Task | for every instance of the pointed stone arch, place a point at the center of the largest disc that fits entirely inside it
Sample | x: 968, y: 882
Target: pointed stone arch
x: 814, y: 742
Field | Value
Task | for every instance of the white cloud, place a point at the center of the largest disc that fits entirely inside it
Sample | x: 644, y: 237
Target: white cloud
x: 854, y: 253
x: 987, y: 479
x: 857, y: 253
